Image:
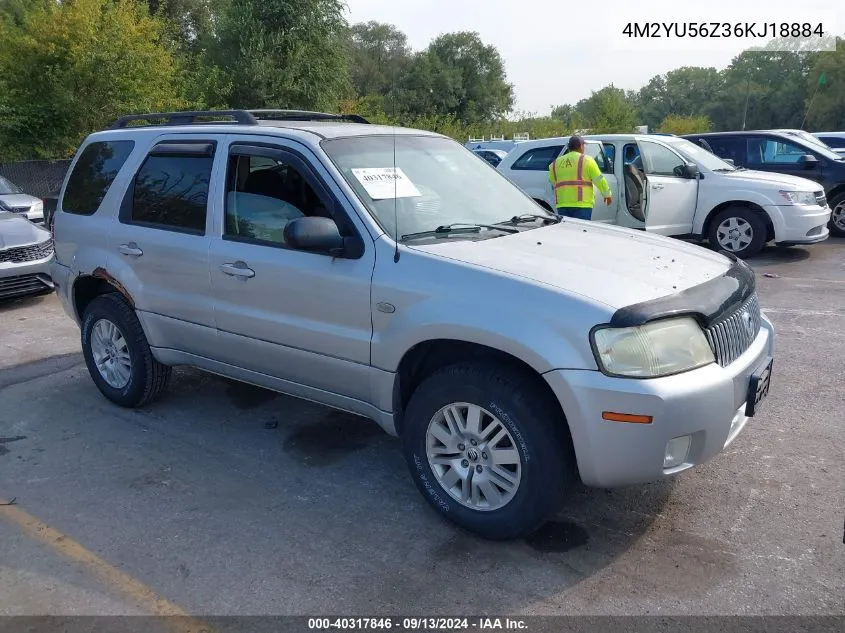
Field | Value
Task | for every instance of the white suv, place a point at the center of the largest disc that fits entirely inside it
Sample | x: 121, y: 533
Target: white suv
x: 671, y: 186
x: 391, y: 273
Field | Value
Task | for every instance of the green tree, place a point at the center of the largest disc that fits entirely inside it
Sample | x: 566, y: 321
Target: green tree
x: 827, y: 109
x: 458, y: 74
x: 72, y: 67
x: 378, y: 57
x: 189, y: 21
x: 684, y: 92
x: 607, y: 111
x: 282, y: 53
x: 674, y: 124
x: 763, y: 89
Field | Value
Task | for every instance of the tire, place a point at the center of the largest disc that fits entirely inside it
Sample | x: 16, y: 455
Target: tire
x: 535, y: 433
x: 837, y: 218
x: 750, y: 235
x: 147, y: 378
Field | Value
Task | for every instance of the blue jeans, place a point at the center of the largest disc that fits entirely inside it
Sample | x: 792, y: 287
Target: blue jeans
x: 581, y: 213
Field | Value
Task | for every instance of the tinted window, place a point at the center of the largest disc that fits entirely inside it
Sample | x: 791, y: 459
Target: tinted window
x: 732, y: 147
x: 594, y: 151
x: 537, y: 159
x: 93, y: 174
x: 263, y: 195
x: 660, y: 161
x: 833, y: 141
x: 610, y: 152
x: 631, y: 155
x: 172, y: 191
x: 764, y: 151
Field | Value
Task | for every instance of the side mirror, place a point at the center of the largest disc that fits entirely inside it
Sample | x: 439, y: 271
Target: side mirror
x: 315, y: 234
x: 808, y: 161
x: 690, y: 170
x: 730, y: 161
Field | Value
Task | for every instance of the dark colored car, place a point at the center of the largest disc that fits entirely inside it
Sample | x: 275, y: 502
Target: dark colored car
x: 492, y: 156
x: 786, y: 153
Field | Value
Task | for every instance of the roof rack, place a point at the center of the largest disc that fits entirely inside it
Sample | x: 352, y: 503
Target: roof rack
x: 241, y: 117
x: 304, y: 115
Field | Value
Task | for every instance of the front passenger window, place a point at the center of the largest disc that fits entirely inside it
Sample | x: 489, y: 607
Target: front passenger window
x: 660, y: 161
x: 262, y: 196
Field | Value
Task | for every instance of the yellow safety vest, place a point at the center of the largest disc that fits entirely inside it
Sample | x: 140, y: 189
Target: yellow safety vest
x: 573, y: 175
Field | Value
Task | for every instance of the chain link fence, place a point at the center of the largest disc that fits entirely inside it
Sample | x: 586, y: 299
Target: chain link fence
x: 39, y: 178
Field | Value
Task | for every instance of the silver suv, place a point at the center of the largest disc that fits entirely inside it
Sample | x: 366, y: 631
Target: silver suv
x: 391, y: 273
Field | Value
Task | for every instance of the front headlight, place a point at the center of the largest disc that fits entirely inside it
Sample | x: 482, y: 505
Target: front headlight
x: 800, y: 197
x: 37, y: 207
x: 655, y: 349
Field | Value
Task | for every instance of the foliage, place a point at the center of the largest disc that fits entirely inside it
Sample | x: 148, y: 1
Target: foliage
x: 674, y: 124
x: 378, y: 55
x: 683, y: 92
x: 827, y: 110
x: 282, y: 53
x: 608, y: 110
x: 71, y: 68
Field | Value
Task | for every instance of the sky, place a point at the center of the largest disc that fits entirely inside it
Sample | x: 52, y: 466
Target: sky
x: 559, y: 51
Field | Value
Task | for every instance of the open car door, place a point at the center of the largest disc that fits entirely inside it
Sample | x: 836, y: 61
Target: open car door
x: 601, y: 211
x: 670, y: 191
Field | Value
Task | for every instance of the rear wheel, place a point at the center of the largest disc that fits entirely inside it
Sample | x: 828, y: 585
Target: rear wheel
x: 837, y: 217
x: 487, y: 450
x: 117, y: 354
x: 739, y: 231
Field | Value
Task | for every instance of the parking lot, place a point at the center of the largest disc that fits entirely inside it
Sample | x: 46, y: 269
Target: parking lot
x: 227, y: 499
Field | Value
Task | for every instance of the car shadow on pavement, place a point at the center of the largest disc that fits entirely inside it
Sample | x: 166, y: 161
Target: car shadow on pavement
x: 257, y: 495
x: 775, y: 255
x: 9, y: 305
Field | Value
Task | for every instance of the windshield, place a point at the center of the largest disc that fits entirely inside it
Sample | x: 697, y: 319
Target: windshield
x: 7, y: 187
x: 697, y: 155
x: 815, y: 144
x: 437, y: 182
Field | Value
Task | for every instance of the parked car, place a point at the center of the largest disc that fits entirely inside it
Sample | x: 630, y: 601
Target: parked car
x: 26, y: 251
x: 834, y: 140
x: 389, y: 273
x: 492, y: 156
x: 668, y: 185
x: 785, y: 153
x: 527, y: 166
x: 14, y: 200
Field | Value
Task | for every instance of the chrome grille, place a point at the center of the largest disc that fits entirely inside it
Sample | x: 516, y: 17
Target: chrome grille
x: 21, y: 285
x: 21, y: 254
x: 820, y: 198
x: 731, y: 335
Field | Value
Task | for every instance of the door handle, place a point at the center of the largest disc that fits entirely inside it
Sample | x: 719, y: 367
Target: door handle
x: 237, y: 269
x: 657, y: 186
x: 130, y: 249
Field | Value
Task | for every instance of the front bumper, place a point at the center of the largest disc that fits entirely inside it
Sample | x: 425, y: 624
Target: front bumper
x: 62, y: 278
x: 29, y: 278
x: 707, y: 403
x: 799, y: 224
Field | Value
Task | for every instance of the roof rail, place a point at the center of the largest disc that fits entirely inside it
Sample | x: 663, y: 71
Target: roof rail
x: 241, y: 117
x: 304, y: 115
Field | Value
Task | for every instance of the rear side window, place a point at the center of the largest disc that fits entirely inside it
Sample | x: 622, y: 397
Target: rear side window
x: 833, y: 141
x: 171, y: 189
x: 537, y: 159
x: 93, y: 174
x: 731, y: 147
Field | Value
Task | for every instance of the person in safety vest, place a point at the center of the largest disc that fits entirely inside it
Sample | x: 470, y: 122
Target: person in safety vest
x: 573, y: 175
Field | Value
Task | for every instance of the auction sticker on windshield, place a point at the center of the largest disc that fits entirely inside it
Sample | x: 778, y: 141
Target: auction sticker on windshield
x: 385, y: 182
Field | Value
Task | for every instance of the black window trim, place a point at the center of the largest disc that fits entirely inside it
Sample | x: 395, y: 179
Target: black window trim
x: 355, y: 248
x: 157, y: 150
x: 71, y: 172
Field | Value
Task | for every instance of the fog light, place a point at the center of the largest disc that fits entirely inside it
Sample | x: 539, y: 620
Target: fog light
x: 677, y: 450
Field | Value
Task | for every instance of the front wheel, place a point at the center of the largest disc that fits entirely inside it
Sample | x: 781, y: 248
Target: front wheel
x: 487, y: 449
x: 739, y: 231
x: 837, y: 217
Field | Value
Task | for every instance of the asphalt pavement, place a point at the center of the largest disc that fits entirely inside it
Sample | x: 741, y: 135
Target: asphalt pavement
x: 226, y: 499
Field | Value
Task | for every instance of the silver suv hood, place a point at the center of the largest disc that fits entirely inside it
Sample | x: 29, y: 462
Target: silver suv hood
x: 615, y: 266
x: 18, y: 231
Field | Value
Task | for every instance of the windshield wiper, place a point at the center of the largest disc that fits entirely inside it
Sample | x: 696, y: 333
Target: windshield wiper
x: 456, y: 228
x: 726, y: 169
x: 531, y: 217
